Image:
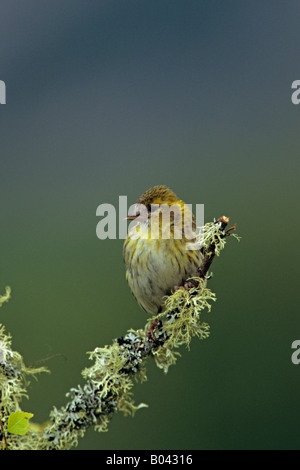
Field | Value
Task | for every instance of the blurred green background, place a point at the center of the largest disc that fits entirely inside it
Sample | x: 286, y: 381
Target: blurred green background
x: 108, y: 98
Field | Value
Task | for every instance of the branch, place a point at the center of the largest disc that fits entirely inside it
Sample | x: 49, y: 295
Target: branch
x: 108, y: 382
x: 210, y: 251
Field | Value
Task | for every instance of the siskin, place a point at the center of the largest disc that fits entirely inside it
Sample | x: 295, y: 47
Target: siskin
x: 161, y: 250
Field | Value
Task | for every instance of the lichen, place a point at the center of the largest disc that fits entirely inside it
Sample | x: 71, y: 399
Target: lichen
x: 107, y: 390
x: 110, y: 373
x: 211, y: 233
x: 181, y: 320
x: 6, y: 296
x: 14, y: 381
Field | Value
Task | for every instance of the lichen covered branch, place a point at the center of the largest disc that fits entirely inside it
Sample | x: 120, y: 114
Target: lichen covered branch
x: 109, y: 381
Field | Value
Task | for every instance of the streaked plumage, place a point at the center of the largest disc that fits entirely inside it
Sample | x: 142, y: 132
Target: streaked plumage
x: 154, y: 266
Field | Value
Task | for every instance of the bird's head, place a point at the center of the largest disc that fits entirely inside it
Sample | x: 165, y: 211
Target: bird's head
x: 152, y: 200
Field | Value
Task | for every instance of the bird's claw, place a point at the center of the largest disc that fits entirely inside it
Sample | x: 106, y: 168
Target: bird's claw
x: 150, y: 332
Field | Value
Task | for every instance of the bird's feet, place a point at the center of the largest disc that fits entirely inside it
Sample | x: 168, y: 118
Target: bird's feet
x: 150, y: 333
x: 187, y: 285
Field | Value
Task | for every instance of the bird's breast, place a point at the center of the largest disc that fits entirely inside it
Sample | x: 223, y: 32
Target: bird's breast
x: 155, y: 266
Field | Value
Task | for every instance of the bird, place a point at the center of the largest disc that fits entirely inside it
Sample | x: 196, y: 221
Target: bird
x: 161, y: 250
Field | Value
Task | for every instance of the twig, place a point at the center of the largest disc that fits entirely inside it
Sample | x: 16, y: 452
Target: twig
x: 210, y: 252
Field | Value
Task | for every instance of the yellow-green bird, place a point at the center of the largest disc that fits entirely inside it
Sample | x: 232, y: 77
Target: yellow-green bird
x: 157, y: 251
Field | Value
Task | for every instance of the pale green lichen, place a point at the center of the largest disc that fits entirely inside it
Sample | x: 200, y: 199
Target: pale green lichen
x: 108, y: 389
x: 181, y: 320
x: 110, y: 374
x: 14, y: 381
x: 211, y: 233
x: 6, y: 296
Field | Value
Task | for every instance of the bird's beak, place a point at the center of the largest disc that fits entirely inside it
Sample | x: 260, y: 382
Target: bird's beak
x: 136, y: 213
